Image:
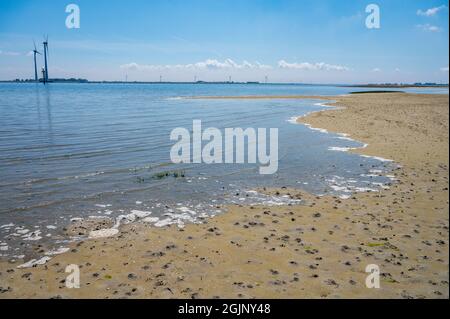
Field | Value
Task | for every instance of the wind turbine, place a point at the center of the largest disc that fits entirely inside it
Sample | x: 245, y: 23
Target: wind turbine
x: 43, y: 75
x: 45, y: 43
x: 35, y: 51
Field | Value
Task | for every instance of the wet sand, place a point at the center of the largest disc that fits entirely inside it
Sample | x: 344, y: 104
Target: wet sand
x: 317, y: 250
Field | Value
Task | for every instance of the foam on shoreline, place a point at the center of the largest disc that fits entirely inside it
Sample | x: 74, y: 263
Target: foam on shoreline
x: 344, y: 187
x: 342, y: 136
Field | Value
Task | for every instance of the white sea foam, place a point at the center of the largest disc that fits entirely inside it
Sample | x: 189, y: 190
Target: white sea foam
x: 140, y: 213
x: 121, y: 219
x: 381, y: 159
x: 345, y: 149
x: 187, y: 210
x: 365, y: 189
x: 345, y: 138
x: 339, y: 149
x: 96, y: 217
x: 163, y: 223
x: 22, y: 231
x: 150, y: 220
x: 347, y: 186
x: 293, y: 119
x: 340, y: 188
x: 321, y: 130
x: 326, y: 104
x: 103, y: 205
x: 187, y: 215
x: 58, y: 251
x: 34, y: 262
x: 103, y: 233
x: 33, y: 236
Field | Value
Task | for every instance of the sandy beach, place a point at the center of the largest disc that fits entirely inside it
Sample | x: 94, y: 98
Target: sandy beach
x: 317, y: 250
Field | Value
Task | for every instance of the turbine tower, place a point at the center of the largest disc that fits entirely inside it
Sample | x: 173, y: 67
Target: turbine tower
x: 45, y: 43
x: 35, y: 51
x: 43, y: 74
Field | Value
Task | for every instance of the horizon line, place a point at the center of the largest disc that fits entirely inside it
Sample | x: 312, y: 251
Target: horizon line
x: 86, y: 81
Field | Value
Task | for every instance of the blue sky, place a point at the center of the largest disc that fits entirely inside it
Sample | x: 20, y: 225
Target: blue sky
x: 288, y: 41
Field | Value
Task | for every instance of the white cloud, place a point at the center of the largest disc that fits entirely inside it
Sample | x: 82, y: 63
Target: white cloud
x: 376, y: 70
x: 429, y: 27
x: 430, y: 12
x: 311, y: 66
x: 444, y: 69
x: 397, y: 70
x: 131, y: 66
x: 209, y: 64
x: 227, y: 64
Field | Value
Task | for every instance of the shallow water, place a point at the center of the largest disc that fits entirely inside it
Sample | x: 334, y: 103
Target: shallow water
x: 79, y: 150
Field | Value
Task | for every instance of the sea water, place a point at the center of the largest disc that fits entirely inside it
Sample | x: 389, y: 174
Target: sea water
x: 70, y: 151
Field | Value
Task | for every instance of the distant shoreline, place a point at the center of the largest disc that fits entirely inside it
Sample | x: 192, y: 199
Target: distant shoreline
x: 379, y: 86
x: 399, y: 86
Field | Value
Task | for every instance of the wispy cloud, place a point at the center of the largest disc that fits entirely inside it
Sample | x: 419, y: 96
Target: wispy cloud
x: 9, y: 53
x: 376, y: 70
x: 209, y: 64
x: 428, y: 28
x: 352, y: 19
x: 444, y: 69
x: 430, y: 12
x: 321, y: 66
